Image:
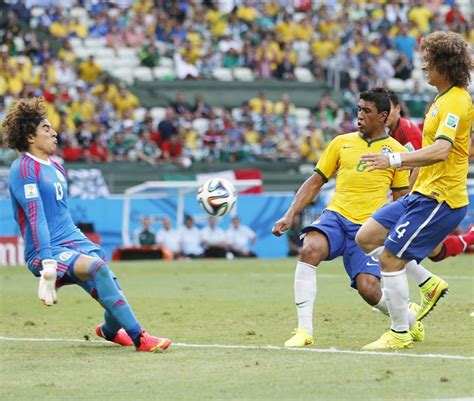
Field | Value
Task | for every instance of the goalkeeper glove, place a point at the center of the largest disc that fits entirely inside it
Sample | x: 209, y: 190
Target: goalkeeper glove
x: 47, y: 284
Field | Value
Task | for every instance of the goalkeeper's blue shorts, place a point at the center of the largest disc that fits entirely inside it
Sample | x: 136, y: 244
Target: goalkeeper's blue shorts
x: 340, y: 234
x: 67, y: 254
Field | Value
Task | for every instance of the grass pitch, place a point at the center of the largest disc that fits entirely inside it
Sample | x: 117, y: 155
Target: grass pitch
x: 241, y: 303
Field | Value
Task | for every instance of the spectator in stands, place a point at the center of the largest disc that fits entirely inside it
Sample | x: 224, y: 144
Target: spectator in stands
x: 421, y: 15
x: 416, y: 101
x: 240, y: 239
x: 455, y: 19
x: 114, y: 38
x: 286, y: 67
x: 168, y: 126
x: 214, y: 240
x: 125, y: 102
x: 144, y: 236
x: 265, y: 59
x: 149, y: 55
x: 89, y: 71
x: 184, y: 68
x: 180, y: 105
x: 312, y: 143
x: 405, y: 42
x: 381, y: 69
x: 258, y: 103
x: 293, y: 236
x: 201, y: 109
x: 97, y: 151
x: 118, y: 148
x: 191, y: 239
x: 169, y: 239
x: 146, y: 150
x: 403, y: 67
x: 208, y: 63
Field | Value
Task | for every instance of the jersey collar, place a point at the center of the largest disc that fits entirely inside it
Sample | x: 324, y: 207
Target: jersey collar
x: 443, y: 93
x: 370, y: 142
x: 45, y: 162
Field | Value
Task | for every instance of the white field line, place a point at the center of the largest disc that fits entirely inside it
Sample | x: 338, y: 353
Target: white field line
x: 329, y: 275
x: 256, y: 347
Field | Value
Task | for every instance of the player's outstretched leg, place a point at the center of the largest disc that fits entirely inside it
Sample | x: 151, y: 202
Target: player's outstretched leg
x: 116, y: 304
x: 452, y: 246
x: 305, y: 295
x: 432, y: 287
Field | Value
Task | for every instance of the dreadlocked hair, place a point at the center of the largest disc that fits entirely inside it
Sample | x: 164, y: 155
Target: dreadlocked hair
x: 22, y: 121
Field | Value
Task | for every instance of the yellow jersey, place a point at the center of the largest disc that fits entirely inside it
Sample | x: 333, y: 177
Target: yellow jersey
x: 359, y: 193
x: 450, y: 118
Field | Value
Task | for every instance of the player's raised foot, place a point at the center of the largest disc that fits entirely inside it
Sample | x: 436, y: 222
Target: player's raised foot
x: 417, y: 332
x: 431, y: 292
x: 121, y: 338
x: 391, y: 340
x: 300, y: 339
x: 152, y: 344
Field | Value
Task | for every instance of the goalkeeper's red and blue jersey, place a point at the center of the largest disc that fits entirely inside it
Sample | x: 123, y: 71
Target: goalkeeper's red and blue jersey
x: 38, y: 192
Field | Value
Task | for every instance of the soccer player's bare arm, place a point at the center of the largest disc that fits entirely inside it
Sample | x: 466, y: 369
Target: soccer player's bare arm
x: 427, y: 156
x: 303, y: 198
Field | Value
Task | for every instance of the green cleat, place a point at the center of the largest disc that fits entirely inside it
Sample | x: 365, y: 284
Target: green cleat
x: 434, y: 289
x: 417, y: 332
x: 391, y: 340
x: 300, y: 339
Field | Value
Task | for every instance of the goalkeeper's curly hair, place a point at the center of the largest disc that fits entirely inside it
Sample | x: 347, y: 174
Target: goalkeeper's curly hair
x: 21, y: 122
x: 449, y: 54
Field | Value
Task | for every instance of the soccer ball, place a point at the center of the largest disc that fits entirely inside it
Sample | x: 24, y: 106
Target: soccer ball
x: 217, y: 196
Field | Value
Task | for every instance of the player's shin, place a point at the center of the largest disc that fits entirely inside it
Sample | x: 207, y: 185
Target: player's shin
x: 396, y: 293
x: 113, y: 300
x: 305, y: 294
x: 418, y: 273
x: 382, y: 307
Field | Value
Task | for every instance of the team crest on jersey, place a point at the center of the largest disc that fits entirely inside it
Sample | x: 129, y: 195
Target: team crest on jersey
x: 452, y: 121
x: 31, y: 191
x: 65, y: 256
x: 435, y: 111
x: 60, y: 176
x: 386, y: 149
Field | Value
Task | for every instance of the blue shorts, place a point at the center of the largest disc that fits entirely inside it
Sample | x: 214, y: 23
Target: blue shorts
x: 67, y: 254
x: 417, y: 225
x: 340, y: 233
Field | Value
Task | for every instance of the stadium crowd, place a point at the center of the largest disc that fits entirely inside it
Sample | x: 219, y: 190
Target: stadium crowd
x: 100, y: 119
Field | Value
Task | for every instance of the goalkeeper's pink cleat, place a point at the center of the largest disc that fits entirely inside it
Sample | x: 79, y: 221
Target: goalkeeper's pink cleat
x: 121, y: 338
x: 152, y: 344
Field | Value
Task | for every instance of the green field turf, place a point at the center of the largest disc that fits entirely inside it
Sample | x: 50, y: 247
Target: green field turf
x: 243, y: 303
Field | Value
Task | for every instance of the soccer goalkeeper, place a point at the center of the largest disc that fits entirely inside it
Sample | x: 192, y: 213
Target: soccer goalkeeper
x: 55, y: 249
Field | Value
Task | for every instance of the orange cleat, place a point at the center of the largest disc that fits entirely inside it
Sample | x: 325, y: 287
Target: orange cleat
x: 152, y: 344
x: 121, y: 338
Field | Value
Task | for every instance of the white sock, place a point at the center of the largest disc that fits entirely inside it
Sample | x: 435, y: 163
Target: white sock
x: 396, y: 295
x: 382, y: 307
x: 305, y: 294
x: 417, y: 272
x: 376, y: 252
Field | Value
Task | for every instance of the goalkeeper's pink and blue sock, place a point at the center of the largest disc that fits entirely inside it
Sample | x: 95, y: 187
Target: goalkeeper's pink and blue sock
x: 110, y: 327
x: 113, y: 301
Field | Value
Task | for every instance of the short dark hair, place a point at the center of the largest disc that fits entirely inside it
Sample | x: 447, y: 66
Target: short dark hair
x: 449, y: 54
x: 378, y: 96
x: 22, y: 121
x: 395, y: 101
